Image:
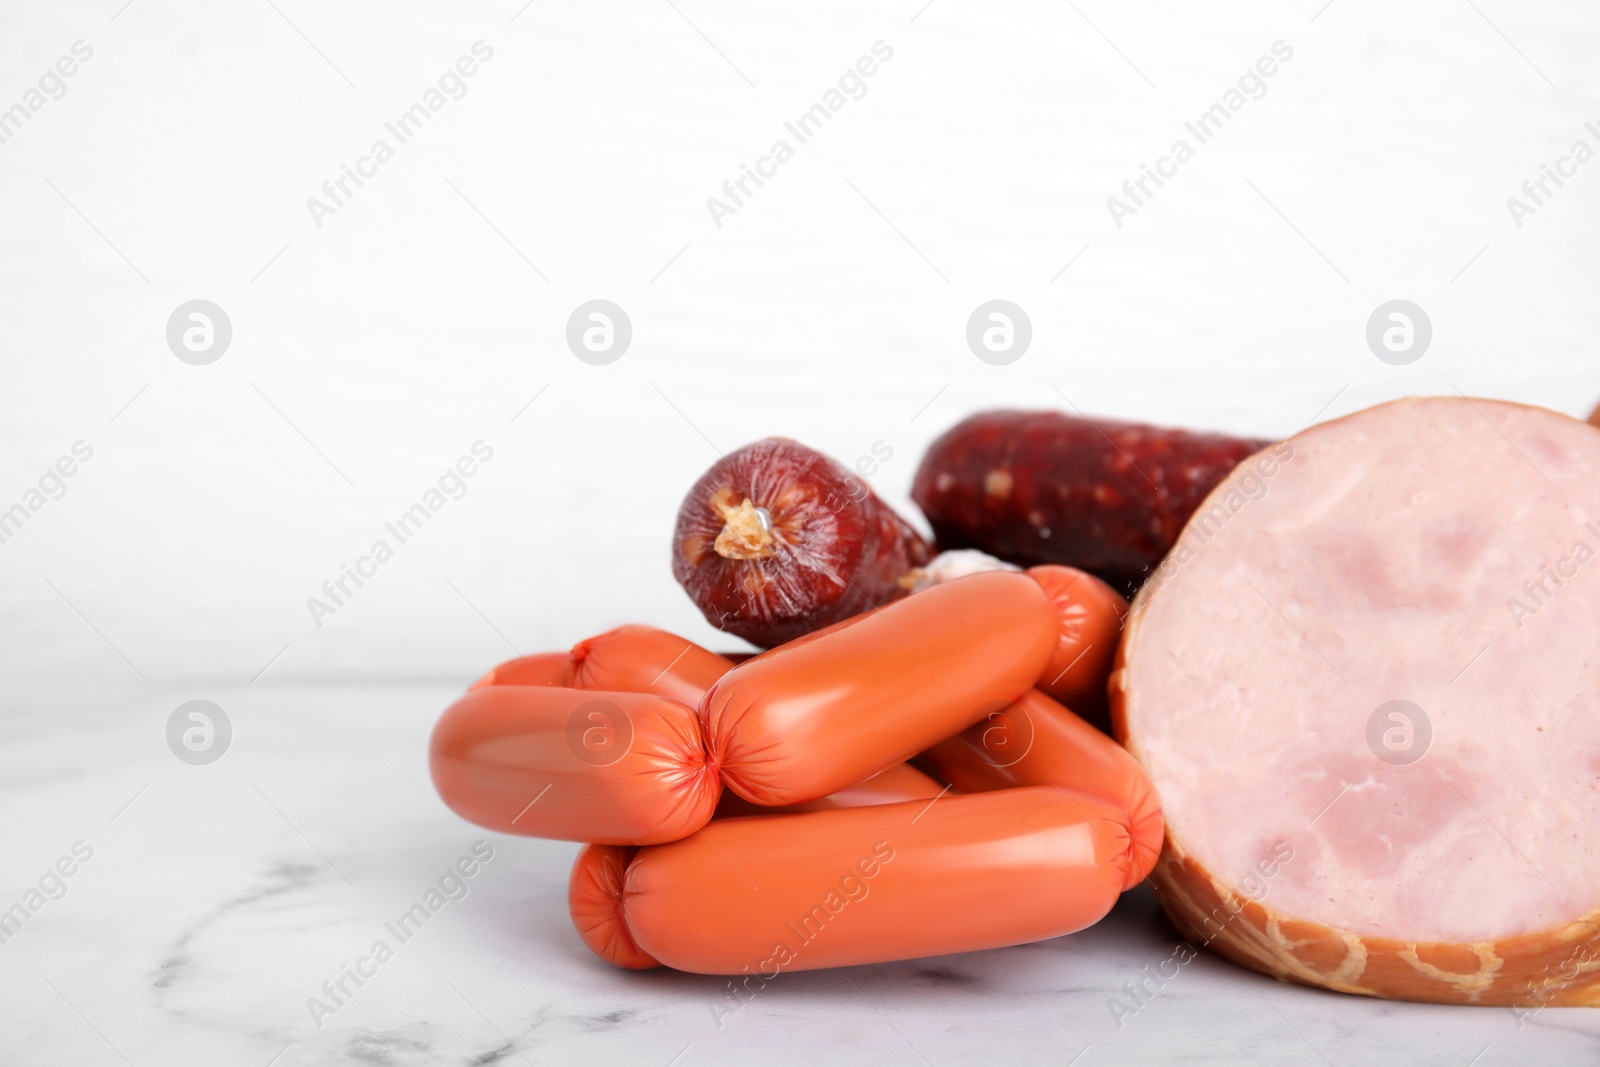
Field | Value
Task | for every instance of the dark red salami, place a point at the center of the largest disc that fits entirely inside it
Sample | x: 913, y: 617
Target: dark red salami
x: 777, y: 540
x: 1036, y: 487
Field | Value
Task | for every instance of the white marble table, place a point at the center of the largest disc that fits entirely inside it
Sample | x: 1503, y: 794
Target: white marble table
x: 370, y: 350
x: 219, y: 900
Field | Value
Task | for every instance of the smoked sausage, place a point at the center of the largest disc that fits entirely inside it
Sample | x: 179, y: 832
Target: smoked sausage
x: 1044, y: 487
x: 777, y: 540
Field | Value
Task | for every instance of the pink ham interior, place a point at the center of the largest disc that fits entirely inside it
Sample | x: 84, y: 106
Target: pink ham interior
x: 1398, y: 554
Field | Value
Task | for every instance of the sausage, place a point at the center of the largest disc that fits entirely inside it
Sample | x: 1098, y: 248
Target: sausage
x: 897, y: 783
x: 828, y: 711
x: 575, y: 765
x: 776, y: 540
x: 643, y: 659
x: 870, y: 885
x: 594, y: 899
x: 1090, y: 614
x: 1594, y: 416
x: 1370, y: 704
x: 541, y: 668
x: 1038, y: 742
x: 629, y: 659
x: 1042, y: 487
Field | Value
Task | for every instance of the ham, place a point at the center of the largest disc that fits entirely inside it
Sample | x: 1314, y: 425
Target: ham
x: 1366, y: 687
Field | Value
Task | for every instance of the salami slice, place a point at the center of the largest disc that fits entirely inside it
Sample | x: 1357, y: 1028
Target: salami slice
x: 1368, y: 696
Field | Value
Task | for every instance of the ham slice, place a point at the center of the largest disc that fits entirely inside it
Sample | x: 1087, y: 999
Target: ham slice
x: 1366, y: 687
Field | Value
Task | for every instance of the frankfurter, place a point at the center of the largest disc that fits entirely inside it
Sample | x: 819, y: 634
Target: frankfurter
x: 1043, y: 487
x: 575, y: 765
x: 643, y: 659
x: 870, y: 885
x: 594, y: 899
x: 541, y: 668
x: 890, y: 786
x: 831, y: 710
x: 1036, y: 741
x: 776, y: 540
x: 1089, y: 614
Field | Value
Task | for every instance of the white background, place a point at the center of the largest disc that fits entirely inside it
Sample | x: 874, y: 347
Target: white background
x: 369, y: 353
x: 405, y: 329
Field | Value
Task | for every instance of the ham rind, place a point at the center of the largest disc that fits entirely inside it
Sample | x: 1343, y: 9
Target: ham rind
x: 1444, y: 552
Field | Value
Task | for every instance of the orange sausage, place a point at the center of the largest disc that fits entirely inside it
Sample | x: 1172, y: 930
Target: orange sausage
x: 900, y: 782
x: 594, y: 897
x: 573, y: 764
x: 1038, y: 742
x: 830, y: 710
x: 1090, y: 614
x: 870, y: 885
x: 643, y: 659
x: 541, y: 668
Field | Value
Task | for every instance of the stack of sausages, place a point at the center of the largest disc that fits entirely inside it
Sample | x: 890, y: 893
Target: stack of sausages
x: 900, y: 775
x: 895, y: 781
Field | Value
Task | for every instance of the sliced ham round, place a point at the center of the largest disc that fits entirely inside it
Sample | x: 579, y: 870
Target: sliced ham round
x: 1366, y: 687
